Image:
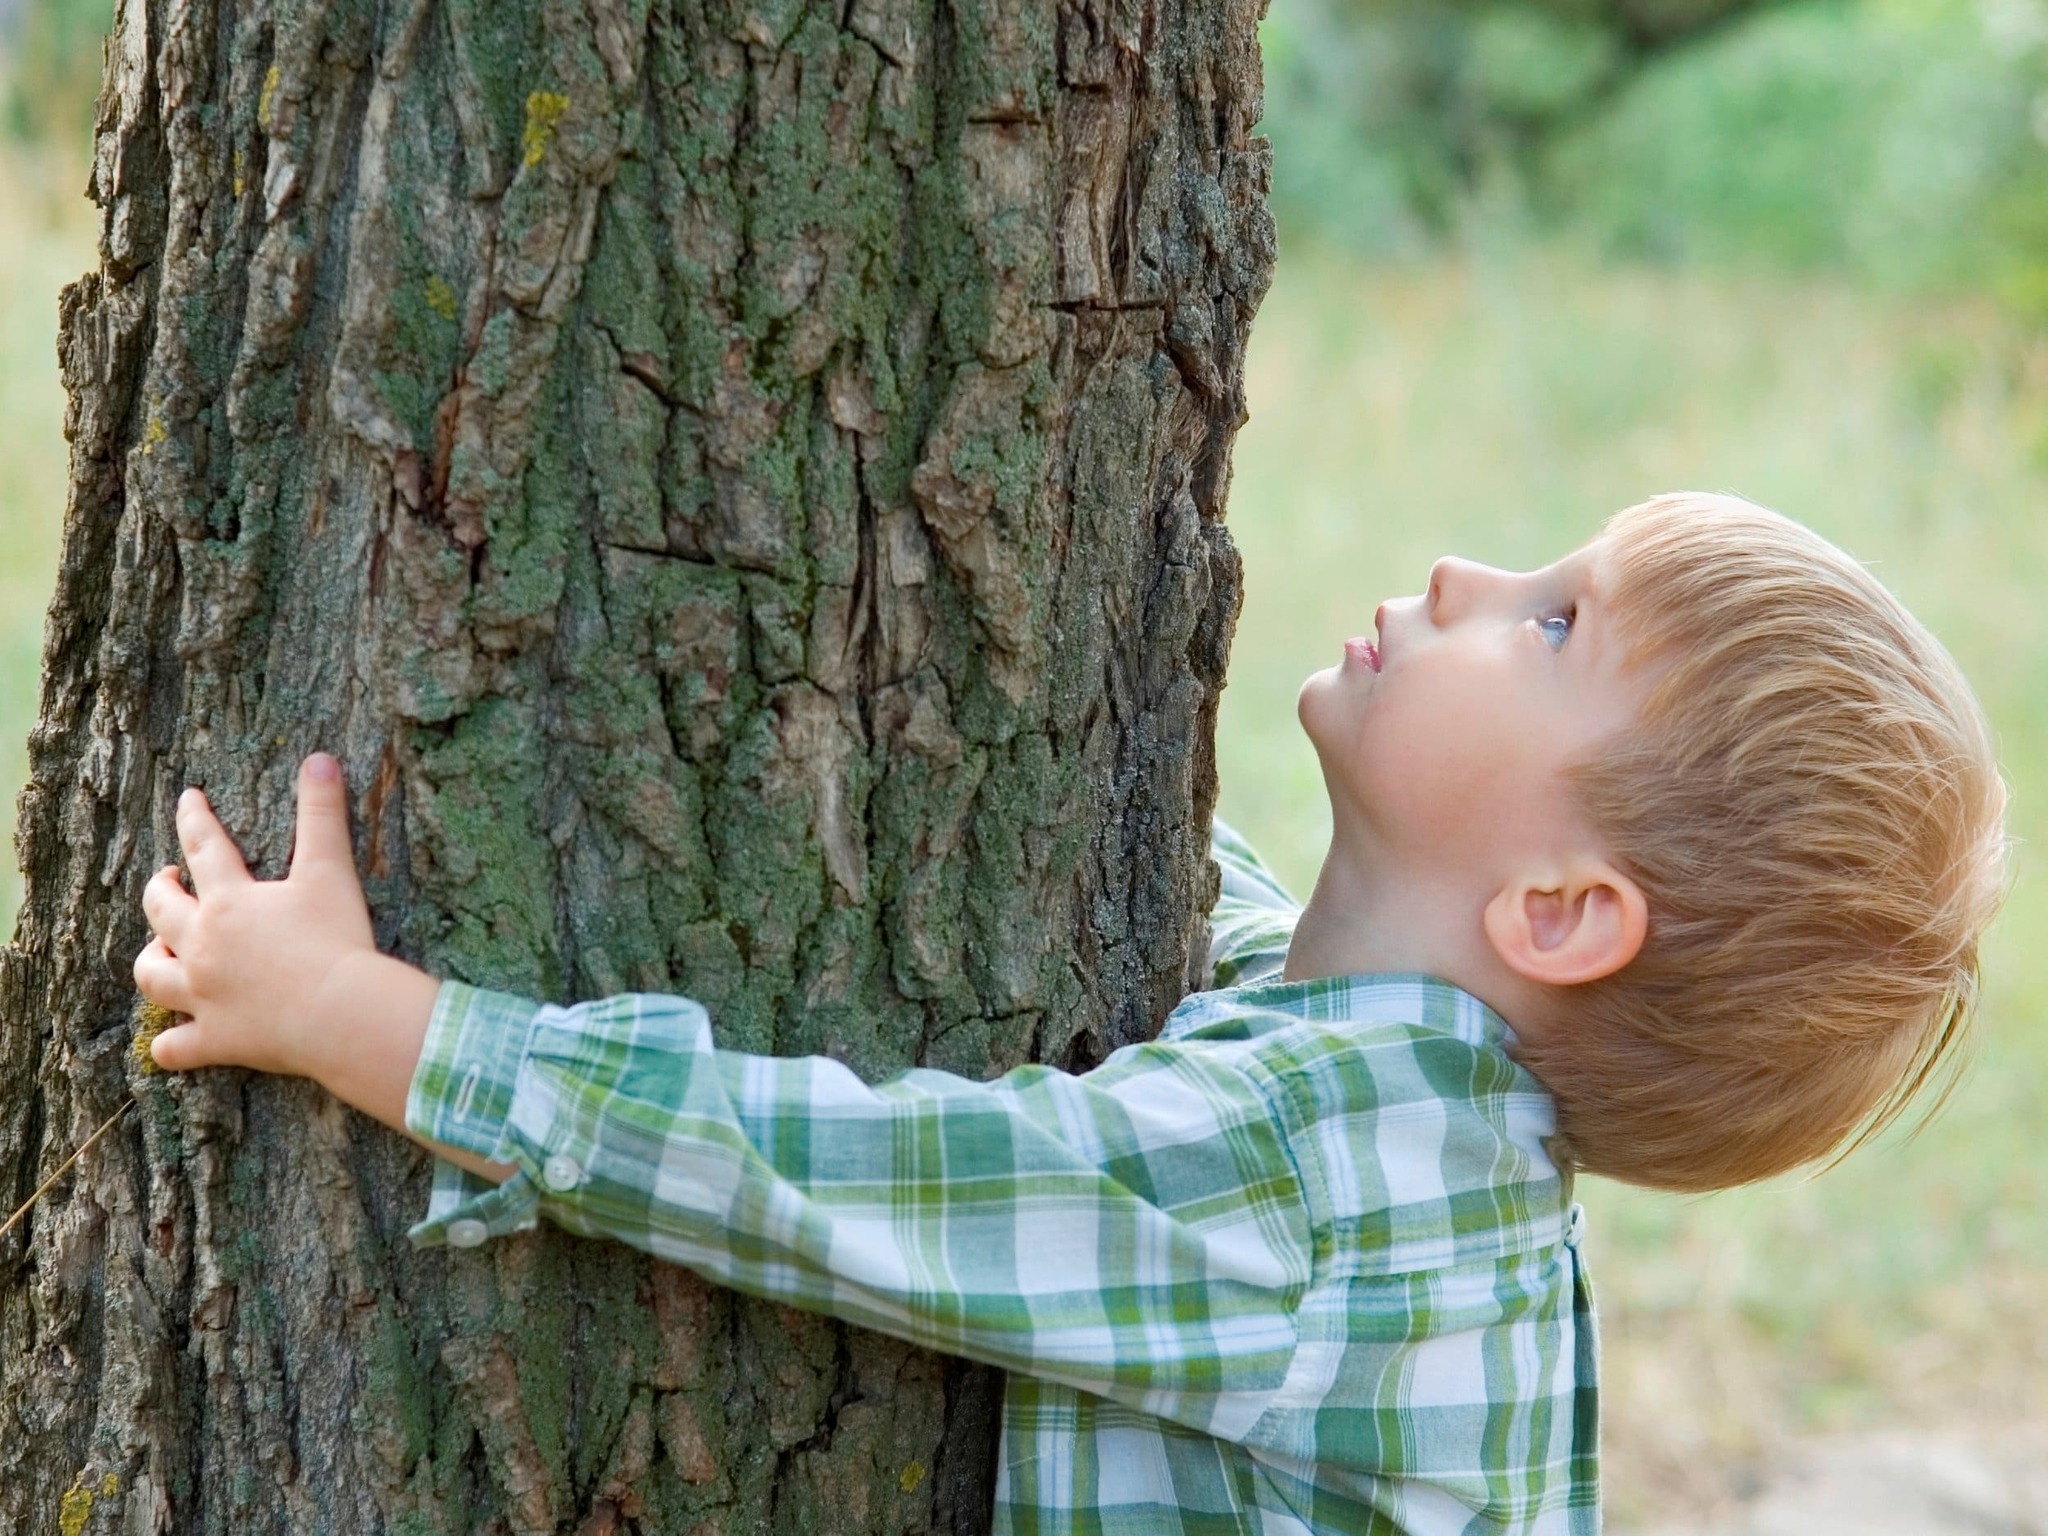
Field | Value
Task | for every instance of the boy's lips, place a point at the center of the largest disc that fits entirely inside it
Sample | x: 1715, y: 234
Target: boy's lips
x: 1364, y: 649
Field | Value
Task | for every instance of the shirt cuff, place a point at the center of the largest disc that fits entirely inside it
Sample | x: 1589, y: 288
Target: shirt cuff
x: 461, y: 1096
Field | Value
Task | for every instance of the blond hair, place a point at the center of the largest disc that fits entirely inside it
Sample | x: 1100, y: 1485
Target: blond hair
x: 1812, y: 807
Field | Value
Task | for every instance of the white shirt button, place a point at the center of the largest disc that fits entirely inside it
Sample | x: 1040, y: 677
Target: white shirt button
x: 561, y: 1172
x: 467, y: 1233
x: 1575, y: 1225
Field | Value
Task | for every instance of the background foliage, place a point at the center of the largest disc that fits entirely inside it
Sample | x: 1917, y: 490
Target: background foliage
x: 1897, y: 141
x: 1538, y: 261
x: 53, y: 67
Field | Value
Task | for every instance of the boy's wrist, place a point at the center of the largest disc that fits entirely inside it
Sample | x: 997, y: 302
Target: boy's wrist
x: 363, y: 1035
x: 368, y: 1012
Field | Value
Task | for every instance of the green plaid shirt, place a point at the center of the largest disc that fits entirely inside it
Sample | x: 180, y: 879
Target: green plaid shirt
x: 1300, y: 1265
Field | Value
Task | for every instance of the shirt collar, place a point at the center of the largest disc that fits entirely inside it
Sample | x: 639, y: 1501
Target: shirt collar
x: 1401, y: 997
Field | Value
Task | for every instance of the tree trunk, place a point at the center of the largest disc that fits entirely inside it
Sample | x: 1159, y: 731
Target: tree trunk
x: 740, y: 487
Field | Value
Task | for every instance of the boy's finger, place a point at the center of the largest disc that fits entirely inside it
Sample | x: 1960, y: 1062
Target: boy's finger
x: 160, y: 977
x: 322, y: 833
x: 180, y: 1048
x: 168, y: 905
x: 209, y: 853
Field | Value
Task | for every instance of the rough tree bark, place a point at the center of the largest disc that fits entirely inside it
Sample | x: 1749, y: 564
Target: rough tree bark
x: 740, y: 487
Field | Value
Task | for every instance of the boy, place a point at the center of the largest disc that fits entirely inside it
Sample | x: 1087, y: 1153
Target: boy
x: 1700, y: 808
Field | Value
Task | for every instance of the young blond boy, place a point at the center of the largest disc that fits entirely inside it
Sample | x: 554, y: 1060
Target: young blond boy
x: 1700, y: 808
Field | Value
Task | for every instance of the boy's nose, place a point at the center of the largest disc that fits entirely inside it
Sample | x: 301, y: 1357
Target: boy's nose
x: 1452, y: 584
x: 1461, y: 584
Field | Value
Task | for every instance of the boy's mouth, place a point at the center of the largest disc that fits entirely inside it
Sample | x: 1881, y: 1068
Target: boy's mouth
x: 1362, y: 650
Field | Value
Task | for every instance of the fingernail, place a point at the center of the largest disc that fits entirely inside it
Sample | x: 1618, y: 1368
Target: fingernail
x: 322, y: 766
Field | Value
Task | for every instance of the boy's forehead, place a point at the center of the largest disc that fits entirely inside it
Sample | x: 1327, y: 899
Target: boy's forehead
x: 1589, y: 562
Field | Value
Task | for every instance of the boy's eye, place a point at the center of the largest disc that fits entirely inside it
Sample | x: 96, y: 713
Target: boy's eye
x: 1557, y: 628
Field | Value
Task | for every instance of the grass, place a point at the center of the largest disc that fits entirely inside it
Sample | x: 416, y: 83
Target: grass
x: 1499, y: 405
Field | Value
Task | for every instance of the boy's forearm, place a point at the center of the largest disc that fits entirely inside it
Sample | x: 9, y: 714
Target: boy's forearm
x: 368, y: 1026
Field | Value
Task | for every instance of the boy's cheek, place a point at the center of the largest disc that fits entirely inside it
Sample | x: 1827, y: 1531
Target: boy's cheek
x: 1436, y: 792
x: 1426, y: 761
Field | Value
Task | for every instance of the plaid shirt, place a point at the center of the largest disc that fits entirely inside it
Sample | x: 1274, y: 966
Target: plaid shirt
x: 1301, y: 1264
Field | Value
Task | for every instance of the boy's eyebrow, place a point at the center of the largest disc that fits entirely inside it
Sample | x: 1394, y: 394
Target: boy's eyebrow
x: 1593, y: 635
x: 1592, y: 601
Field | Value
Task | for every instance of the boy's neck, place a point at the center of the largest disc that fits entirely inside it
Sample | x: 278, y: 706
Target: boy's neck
x: 1364, y: 920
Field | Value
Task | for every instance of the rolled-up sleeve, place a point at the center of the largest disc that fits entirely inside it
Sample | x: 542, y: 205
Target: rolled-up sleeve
x: 1140, y: 1231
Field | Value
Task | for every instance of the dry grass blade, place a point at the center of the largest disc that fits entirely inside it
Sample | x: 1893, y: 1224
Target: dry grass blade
x: 43, y: 1188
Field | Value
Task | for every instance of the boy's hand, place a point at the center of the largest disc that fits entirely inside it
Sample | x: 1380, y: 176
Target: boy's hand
x: 257, y: 964
x: 284, y: 975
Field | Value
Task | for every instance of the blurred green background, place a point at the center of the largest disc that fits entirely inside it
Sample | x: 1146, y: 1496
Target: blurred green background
x: 1539, y: 260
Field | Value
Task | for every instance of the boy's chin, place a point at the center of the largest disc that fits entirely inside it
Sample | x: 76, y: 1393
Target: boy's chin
x: 1320, y: 701
x: 1314, y: 683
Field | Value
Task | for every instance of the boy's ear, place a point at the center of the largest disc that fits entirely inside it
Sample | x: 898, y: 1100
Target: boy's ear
x: 1575, y: 925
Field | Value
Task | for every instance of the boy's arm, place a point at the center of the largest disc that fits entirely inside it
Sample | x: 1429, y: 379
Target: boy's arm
x: 1141, y: 1232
